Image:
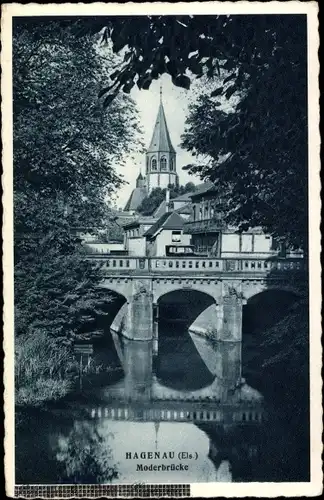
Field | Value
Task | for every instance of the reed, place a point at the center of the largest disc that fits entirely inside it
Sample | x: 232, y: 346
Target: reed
x: 45, y: 368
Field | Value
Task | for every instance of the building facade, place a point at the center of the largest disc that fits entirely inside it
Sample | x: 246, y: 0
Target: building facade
x: 166, y: 232
x: 134, y: 240
x: 212, y: 238
x: 160, y: 163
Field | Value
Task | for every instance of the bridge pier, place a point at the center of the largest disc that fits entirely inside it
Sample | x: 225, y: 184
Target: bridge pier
x: 133, y: 336
x: 138, y: 370
x: 155, y: 329
x: 230, y: 342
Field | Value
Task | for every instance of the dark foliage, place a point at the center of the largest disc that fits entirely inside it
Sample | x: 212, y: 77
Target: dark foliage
x: 157, y: 195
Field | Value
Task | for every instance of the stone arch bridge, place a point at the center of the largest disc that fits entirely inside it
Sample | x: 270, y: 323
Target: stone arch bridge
x: 229, y: 283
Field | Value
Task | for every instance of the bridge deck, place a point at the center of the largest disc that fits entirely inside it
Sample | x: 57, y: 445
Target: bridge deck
x: 196, y: 266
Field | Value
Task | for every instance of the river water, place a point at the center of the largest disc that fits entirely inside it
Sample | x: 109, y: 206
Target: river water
x: 87, y: 439
x: 85, y: 444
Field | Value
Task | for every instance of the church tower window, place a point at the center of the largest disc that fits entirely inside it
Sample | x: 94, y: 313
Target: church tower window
x: 171, y: 165
x: 153, y: 164
x: 163, y: 163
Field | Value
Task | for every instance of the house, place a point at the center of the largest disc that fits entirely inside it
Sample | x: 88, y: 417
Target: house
x: 205, y: 222
x: 210, y: 236
x: 167, y: 230
x: 134, y: 240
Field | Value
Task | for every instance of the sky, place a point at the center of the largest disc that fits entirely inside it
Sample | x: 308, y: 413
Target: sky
x: 175, y: 102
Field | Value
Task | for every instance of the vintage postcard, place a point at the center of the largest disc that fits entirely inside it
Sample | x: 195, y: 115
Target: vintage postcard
x: 162, y: 330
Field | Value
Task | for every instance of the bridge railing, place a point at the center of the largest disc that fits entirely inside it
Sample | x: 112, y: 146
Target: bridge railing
x: 196, y: 264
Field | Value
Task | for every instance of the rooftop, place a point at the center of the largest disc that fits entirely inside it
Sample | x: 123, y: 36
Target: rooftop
x: 203, y: 188
x: 137, y: 196
x: 169, y: 220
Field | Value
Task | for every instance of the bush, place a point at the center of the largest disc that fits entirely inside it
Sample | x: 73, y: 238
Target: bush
x: 45, y: 368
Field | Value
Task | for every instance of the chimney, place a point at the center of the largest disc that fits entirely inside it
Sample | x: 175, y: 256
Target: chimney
x: 167, y: 199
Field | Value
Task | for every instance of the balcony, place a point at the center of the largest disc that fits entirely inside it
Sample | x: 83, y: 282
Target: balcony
x: 204, y: 226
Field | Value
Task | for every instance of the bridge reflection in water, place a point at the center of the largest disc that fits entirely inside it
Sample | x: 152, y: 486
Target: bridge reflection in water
x: 112, y: 442
x: 182, y: 412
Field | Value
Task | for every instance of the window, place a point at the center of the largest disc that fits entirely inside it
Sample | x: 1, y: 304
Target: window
x: 176, y: 236
x: 171, y: 165
x: 153, y: 164
x: 163, y: 163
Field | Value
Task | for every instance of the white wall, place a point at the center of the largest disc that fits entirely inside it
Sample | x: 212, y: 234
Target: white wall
x: 161, y: 179
x: 230, y: 243
x: 251, y: 245
x: 165, y: 238
x: 105, y: 247
x: 137, y: 246
x: 262, y: 243
x: 178, y: 204
x: 246, y: 242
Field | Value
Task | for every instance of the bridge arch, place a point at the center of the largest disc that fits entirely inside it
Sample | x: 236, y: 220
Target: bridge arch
x: 179, y: 364
x: 252, y: 289
x: 194, y: 290
x: 164, y: 287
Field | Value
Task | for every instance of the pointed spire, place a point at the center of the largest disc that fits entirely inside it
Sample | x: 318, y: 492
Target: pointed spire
x: 140, y: 181
x: 161, y: 140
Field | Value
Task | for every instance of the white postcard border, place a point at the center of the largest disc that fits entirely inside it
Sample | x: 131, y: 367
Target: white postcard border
x: 312, y: 488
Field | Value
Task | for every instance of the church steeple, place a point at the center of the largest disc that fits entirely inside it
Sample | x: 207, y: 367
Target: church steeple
x: 161, y: 155
x: 161, y: 140
x: 140, y: 181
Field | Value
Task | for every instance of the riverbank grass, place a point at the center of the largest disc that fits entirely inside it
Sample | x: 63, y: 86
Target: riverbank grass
x: 45, y: 369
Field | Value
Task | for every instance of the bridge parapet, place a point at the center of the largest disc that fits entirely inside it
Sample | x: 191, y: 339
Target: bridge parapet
x: 154, y: 265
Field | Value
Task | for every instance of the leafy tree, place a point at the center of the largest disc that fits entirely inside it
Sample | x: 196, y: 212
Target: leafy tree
x: 154, y: 45
x: 65, y: 149
x: 151, y: 202
x: 86, y: 455
x: 66, y: 145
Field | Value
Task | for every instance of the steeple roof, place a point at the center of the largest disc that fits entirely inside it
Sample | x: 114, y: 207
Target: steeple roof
x: 161, y: 138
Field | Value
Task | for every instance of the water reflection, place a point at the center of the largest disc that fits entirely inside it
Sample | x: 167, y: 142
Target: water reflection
x: 85, y: 454
x: 113, y: 445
